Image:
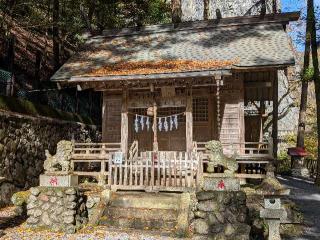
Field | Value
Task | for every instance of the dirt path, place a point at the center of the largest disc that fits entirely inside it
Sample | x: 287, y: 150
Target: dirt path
x: 307, y: 197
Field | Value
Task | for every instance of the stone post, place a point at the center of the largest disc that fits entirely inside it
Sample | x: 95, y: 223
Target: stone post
x: 56, y: 208
x: 273, y: 213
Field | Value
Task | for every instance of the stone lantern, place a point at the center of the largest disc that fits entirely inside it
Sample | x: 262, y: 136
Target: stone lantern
x: 273, y: 214
x: 297, y: 155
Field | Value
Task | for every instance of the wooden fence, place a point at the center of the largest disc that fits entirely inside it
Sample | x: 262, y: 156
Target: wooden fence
x: 157, y: 171
x: 150, y: 171
x: 242, y: 151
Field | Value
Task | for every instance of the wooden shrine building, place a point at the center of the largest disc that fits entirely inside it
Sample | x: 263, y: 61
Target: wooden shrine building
x: 175, y: 87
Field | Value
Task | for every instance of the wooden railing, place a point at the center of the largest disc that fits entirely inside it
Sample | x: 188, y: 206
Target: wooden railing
x: 252, y: 157
x: 242, y: 151
x: 90, y: 159
x: 160, y: 171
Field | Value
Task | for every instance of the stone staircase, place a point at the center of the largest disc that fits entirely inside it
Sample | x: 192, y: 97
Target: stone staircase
x: 146, y: 211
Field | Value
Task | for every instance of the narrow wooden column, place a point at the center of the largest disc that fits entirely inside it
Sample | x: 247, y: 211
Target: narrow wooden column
x: 155, y: 146
x: 275, y: 115
x: 124, y: 122
x: 104, y: 117
x: 189, y: 120
x: 155, y: 129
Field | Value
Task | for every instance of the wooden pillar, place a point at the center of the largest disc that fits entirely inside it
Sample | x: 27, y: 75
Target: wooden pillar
x: 124, y: 122
x: 189, y: 120
x: 104, y: 116
x: 275, y: 115
x: 155, y: 146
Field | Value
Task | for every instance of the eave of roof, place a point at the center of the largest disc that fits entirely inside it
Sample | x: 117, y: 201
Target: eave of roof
x: 159, y: 76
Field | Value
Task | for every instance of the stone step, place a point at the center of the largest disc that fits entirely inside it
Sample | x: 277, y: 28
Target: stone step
x: 138, y: 223
x: 145, y: 200
x: 141, y: 213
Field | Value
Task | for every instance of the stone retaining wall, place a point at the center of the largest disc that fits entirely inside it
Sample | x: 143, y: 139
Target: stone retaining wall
x: 23, y: 141
x: 56, y: 208
x: 220, y: 215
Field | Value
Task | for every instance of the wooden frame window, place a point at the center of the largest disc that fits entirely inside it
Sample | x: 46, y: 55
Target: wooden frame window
x: 200, y: 109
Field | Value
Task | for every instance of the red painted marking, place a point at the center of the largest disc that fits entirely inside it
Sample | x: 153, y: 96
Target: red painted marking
x: 221, y: 185
x: 53, y: 181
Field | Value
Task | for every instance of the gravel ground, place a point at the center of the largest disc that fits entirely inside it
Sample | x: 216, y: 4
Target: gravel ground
x: 307, y: 197
x: 13, y: 228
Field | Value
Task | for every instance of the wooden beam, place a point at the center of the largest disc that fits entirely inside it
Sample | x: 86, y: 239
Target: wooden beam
x: 124, y: 122
x: 104, y: 117
x: 189, y: 120
x: 275, y: 114
x: 155, y: 76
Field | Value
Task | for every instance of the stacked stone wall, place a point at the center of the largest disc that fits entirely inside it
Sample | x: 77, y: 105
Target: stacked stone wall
x: 220, y: 215
x: 60, y: 209
x: 23, y: 141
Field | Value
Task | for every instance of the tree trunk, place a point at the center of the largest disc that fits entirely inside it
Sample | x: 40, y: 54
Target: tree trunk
x: 274, y: 6
x: 316, y: 78
x: 55, y: 34
x: 176, y: 11
x: 304, y: 86
x: 206, y: 9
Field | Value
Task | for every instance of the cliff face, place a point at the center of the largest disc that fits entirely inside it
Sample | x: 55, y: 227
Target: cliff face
x: 193, y: 9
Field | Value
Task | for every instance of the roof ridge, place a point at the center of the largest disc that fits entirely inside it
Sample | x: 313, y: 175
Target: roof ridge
x: 229, y: 21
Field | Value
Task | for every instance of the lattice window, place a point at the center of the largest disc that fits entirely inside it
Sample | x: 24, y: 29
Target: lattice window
x: 200, y: 110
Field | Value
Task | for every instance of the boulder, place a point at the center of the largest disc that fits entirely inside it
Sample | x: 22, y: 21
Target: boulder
x: 46, y: 219
x: 200, y: 226
x: 208, y: 206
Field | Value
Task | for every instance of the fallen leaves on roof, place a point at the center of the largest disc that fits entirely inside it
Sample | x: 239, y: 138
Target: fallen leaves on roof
x: 163, y: 66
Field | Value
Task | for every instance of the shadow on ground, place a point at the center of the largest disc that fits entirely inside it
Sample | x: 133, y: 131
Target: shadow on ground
x: 307, y: 197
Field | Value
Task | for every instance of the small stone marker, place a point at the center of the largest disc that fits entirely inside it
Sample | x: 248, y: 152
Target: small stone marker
x: 54, y: 180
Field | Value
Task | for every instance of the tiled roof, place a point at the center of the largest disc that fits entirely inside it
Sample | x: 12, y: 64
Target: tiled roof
x: 248, y: 45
